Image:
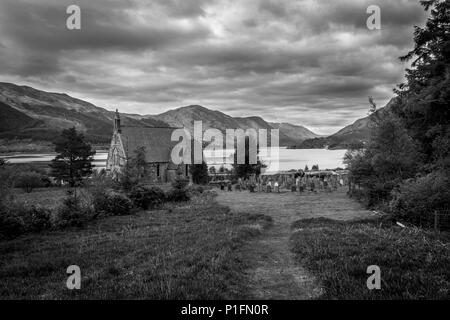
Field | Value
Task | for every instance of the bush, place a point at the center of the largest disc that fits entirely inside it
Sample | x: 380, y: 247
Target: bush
x: 179, y: 192
x: 180, y: 182
x: 199, y: 173
x: 129, y: 177
x: 112, y: 203
x: 195, y: 190
x: 17, y: 219
x: 147, y: 197
x: 11, y: 224
x: 417, y: 199
x: 72, y: 212
x: 28, y: 181
x: 35, y: 218
x: 177, y: 195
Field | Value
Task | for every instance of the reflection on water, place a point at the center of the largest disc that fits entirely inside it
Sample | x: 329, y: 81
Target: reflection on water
x: 288, y: 158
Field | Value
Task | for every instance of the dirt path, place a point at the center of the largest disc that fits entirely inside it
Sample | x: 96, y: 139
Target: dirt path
x: 276, y: 275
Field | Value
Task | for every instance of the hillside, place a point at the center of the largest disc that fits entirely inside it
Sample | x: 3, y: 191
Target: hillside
x: 185, y: 117
x: 357, y: 132
x: 30, y: 113
x: 294, y: 132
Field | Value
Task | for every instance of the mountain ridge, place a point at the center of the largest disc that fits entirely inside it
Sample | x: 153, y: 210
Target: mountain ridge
x: 47, y: 113
x: 355, y: 133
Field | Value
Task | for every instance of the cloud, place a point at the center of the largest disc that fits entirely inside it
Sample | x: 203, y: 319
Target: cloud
x: 300, y: 61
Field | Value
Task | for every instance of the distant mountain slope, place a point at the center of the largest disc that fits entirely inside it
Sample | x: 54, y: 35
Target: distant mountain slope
x: 42, y: 115
x: 357, y: 132
x: 185, y: 117
x: 12, y: 119
x: 294, y: 132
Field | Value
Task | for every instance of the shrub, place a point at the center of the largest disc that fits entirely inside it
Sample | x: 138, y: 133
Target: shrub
x: 112, y: 203
x: 6, y: 183
x: 195, y: 190
x: 177, y: 195
x: 147, y: 197
x: 129, y: 177
x: 11, y: 224
x: 28, y: 181
x: 46, y: 181
x: 72, y: 212
x: 199, y: 173
x: 36, y: 218
x: 180, y: 182
x: 179, y: 192
x: 416, y: 199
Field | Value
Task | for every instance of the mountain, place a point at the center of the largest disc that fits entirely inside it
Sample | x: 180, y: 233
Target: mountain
x: 357, y: 132
x: 30, y: 113
x: 39, y: 115
x: 185, y: 117
x: 294, y: 132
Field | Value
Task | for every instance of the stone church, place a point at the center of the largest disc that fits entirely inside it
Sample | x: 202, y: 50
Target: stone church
x: 157, y: 144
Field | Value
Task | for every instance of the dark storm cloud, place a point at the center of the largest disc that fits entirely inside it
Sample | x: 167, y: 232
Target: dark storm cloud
x: 301, y: 61
x: 107, y: 25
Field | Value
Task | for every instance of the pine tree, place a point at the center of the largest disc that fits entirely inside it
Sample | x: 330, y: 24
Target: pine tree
x: 74, y: 157
x: 425, y: 96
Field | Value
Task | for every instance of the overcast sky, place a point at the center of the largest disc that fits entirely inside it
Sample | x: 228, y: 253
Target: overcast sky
x: 308, y: 62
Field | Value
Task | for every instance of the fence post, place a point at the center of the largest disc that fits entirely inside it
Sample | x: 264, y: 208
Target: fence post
x: 436, y: 221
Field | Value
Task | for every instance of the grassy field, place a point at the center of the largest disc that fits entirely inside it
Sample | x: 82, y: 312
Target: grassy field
x: 414, y: 263
x: 188, y: 251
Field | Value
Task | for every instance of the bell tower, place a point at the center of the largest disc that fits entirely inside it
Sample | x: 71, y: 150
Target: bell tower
x: 117, y: 122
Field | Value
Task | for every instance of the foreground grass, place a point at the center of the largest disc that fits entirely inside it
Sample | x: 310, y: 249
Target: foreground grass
x: 190, y: 251
x: 414, y: 264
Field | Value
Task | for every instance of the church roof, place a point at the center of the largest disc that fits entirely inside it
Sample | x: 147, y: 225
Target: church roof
x: 156, y: 141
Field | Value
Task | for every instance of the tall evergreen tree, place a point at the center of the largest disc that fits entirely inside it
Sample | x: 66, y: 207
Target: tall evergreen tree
x: 74, y: 157
x: 425, y: 96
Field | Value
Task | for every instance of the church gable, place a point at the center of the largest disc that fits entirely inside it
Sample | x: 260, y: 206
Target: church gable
x: 116, y: 155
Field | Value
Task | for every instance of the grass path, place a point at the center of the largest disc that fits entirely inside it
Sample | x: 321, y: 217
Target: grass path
x: 276, y: 275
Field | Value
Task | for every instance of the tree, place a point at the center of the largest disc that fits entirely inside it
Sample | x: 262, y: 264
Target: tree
x: 74, y: 157
x: 315, y: 167
x: 138, y: 162
x: 306, y: 168
x: 389, y: 157
x: 199, y: 173
x: 246, y: 169
x: 425, y: 95
x: 412, y: 136
x: 29, y: 180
